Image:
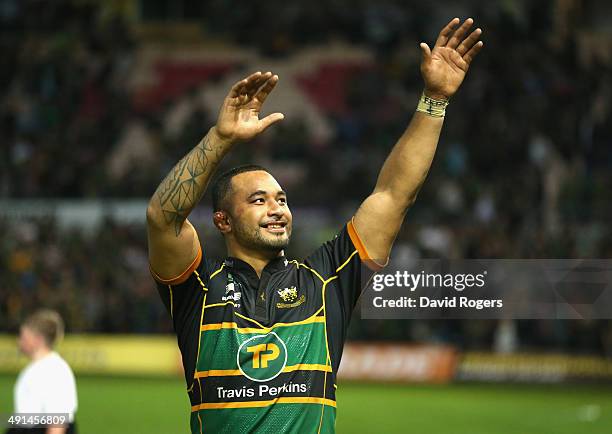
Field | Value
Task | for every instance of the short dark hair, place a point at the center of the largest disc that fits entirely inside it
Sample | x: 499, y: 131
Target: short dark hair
x: 223, y: 184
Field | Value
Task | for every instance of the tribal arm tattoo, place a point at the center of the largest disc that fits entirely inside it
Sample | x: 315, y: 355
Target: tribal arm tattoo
x: 186, y: 183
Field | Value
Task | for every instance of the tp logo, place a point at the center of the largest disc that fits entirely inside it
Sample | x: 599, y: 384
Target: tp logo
x: 262, y: 357
x: 271, y: 350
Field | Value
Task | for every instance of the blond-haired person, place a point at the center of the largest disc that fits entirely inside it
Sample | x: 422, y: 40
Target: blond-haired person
x: 46, y: 385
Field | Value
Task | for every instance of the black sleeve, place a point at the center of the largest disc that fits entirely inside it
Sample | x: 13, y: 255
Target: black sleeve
x: 340, y: 257
x: 183, y: 298
x: 341, y: 262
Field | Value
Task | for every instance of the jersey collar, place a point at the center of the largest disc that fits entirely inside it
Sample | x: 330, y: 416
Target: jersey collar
x: 277, y: 264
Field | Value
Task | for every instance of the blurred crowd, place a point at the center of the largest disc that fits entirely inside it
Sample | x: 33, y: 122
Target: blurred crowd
x: 523, y: 168
x: 99, y: 280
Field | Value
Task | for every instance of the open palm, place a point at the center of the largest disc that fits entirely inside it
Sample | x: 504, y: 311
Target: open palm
x: 239, y: 115
x: 444, y: 68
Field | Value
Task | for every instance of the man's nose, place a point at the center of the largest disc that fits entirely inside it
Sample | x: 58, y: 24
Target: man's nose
x: 275, y: 209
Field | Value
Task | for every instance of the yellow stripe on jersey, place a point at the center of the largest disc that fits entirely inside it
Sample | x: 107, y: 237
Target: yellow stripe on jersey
x: 233, y: 325
x: 247, y: 404
x: 235, y: 372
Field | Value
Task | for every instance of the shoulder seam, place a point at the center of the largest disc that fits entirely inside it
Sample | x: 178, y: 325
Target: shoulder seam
x: 181, y: 277
x: 347, y: 261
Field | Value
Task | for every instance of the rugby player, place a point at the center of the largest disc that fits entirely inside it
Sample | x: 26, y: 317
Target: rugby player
x: 261, y: 336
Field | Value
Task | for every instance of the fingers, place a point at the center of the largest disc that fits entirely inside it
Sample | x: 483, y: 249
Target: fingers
x: 240, y: 85
x: 248, y: 88
x: 453, y: 38
x: 252, y: 87
x: 457, y: 37
x: 249, y: 85
x: 469, y: 56
x: 271, y: 119
x: 469, y: 42
x: 425, y: 50
x: 265, y: 90
x: 446, y: 32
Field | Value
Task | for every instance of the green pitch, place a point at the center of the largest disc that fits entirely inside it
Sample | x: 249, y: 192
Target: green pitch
x: 151, y: 406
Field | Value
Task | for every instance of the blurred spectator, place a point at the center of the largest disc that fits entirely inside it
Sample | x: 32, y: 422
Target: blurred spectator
x: 46, y: 385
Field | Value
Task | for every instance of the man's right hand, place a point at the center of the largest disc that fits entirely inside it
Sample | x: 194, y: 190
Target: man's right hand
x: 239, y: 115
x: 174, y: 246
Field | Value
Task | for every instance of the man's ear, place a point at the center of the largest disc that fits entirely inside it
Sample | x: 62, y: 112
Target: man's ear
x: 221, y: 221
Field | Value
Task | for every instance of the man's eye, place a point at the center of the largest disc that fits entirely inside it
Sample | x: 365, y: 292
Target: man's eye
x: 259, y: 200
x: 282, y: 201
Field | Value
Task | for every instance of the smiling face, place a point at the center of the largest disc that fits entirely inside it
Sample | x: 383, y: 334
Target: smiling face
x: 259, y: 216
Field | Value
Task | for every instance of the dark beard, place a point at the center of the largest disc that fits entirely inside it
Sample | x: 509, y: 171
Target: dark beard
x: 253, y: 239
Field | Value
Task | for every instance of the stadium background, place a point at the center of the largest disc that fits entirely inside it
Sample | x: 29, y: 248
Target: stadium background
x: 100, y: 99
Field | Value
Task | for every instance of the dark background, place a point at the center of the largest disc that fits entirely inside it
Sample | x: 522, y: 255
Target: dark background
x: 522, y: 170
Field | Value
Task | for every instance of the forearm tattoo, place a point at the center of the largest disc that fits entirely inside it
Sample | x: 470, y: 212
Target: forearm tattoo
x: 183, y: 187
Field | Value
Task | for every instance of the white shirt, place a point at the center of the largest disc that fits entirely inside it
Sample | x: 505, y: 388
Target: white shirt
x: 46, y: 385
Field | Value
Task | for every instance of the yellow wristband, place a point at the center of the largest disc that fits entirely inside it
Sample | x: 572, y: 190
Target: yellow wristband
x: 432, y: 107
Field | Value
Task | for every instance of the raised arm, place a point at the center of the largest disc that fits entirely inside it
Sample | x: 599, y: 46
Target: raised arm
x: 380, y: 216
x: 173, y: 241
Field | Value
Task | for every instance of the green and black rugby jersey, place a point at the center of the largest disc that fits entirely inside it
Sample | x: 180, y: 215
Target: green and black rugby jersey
x: 262, y: 354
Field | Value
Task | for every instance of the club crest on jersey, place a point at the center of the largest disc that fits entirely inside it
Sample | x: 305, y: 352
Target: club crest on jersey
x: 290, y: 299
x: 288, y: 294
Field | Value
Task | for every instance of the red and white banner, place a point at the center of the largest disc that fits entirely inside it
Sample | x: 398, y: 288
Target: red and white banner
x: 398, y: 363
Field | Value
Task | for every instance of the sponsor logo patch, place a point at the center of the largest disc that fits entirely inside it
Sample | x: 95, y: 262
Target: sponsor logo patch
x: 262, y: 357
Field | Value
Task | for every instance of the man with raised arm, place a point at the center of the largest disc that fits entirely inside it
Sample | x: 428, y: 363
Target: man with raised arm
x: 261, y: 336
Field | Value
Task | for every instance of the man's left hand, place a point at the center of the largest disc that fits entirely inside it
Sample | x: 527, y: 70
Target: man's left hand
x: 444, y: 68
